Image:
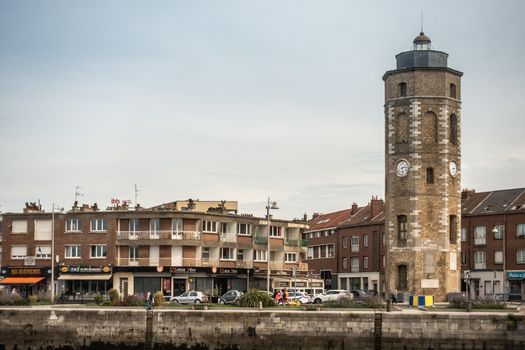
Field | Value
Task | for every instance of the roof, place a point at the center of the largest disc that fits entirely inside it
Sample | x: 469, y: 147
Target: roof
x: 493, y: 202
x: 364, y: 216
x: 421, y: 38
x: 329, y: 220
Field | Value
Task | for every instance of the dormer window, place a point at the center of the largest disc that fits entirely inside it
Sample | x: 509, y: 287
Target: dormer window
x: 402, y: 89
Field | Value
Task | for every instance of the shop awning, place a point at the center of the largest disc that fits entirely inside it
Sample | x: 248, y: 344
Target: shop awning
x: 21, y: 280
x: 84, y: 277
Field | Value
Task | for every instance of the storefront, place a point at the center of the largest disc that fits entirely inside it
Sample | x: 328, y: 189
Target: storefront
x: 516, y: 285
x: 25, y: 281
x: 82, y: 283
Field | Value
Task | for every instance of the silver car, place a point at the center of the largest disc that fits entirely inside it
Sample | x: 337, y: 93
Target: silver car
x: 230, y: 297
x: 332, y: 295
x: 301, y: 297
x: 190, y: 297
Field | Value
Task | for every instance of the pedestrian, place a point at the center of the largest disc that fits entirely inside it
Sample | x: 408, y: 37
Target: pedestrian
x: 277, y: 297
x: 394, y: 297
x: 285, y: 296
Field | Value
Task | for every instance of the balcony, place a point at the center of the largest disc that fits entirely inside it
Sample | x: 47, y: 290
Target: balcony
x: 304, y: 243
x: 206, y: 262
x: 158, y: 235
x: 277, y: 265
x: 260, y: 240
x: 292, y: 242
x: 244, y: 264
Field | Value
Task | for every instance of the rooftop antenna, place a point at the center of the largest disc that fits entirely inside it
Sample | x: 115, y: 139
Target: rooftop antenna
x: 422, y: 22
x: 77, y: 193
x: 136, y: 193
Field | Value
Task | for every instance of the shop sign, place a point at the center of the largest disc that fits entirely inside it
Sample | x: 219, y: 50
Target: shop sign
x: 316, y: 284
x: 25, y: 271
x: 516, y: 275
x: 299, y: 284
x: 281, y: 284
x: 230, y: 271
x: 182, y: 269
x: 85, y: 269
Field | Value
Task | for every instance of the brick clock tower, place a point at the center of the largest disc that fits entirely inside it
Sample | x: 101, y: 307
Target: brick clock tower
x: 423, y: 172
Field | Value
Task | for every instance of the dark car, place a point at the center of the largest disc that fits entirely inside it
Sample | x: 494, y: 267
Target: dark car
x: 230, y: 297
x: 359, y: 294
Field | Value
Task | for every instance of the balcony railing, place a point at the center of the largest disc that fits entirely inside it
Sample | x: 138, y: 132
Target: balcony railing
x: 292, y: 242
x: 193, y: 262
x: 166, y: 235
x: 260, y: 239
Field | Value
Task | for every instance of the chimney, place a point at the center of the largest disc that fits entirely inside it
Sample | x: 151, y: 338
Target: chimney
x: 376, y: 206
x: 305, y: 217
x: 467, y: 193
x: 355, y: 208
x: 314, y: 215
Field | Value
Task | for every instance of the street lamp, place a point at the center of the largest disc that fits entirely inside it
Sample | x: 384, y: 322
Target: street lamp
x: 269, y: 205
x: 53, y: 250
x: 495, y: 230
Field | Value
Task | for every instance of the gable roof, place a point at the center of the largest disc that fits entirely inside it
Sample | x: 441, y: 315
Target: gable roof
x: 330, y: 220
x: 493, y: 202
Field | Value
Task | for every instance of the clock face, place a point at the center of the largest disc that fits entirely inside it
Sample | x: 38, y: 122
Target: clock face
x: 453, y: 168
x: 402, y: 168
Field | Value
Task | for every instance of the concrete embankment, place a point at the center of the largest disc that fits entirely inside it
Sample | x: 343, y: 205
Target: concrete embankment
x: 90, y: 328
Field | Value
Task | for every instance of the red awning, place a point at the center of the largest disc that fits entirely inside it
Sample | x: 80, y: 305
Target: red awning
x: 21, y: 280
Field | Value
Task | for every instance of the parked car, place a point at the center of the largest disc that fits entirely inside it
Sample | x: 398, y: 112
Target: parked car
x: 359, y: 294
x: 331, y: 295
x: 190, y: 297
x: 302, y: 297
x: 230, y: 297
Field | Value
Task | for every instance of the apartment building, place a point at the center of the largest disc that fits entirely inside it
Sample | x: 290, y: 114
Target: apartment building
x: 171, y: 247
x: 492, y: 245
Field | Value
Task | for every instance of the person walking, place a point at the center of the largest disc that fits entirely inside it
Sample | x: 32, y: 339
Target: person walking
x: 285, y: 296
x: 277, y: 297
x: 394, y: 297
x: 149, y: 301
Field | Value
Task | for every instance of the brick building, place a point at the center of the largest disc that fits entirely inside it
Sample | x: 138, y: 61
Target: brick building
x: 170, y: 247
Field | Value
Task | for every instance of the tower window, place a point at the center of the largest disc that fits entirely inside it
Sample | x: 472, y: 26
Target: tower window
x: 402, y: 227
x: 453, y: 229
x: 402, y: 128
x: 402, y: 89
x: 453, y: 90
x: 430, y: 175
x: 429, y: 128
x: 402, y: 277
x: 453, y: 129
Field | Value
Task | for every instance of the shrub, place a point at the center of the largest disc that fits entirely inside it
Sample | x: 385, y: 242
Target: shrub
x: 488, y: 304
x: 457, y: 300
x: 113, y: 296
x: 131, y: 300
x: 254, y: 296
x: 32, y: 299
x: 158, y: 298
x: 373, y: 302
x: 98, y: 299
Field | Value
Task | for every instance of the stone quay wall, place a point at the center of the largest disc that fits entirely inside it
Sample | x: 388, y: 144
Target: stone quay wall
x: 61, y: 328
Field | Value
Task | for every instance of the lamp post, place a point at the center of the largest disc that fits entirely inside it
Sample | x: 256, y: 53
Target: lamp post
x: 53, y: 250
x: 504, y: 258
x: 269, y: 205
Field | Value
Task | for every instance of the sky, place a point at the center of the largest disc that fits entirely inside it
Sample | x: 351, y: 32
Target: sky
x: 239, y: 100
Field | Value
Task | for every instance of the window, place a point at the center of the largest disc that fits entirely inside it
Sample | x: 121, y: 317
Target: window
x: 345, y: 264
x: 19, y: 226
x: 430, y: 176
x: 310, y: 253
x: 209, y: 226
x: 227, y: 253
x: 520, y: 256
x: 72, y: 251
x: 402, y: 89
x: 498, y: 231
x: 243, y: 229
x: 133, y: 225
x: 498, y: 257
x: 154, y: 225
x: 99, y: 225
x: 453, y: 90
x: 275, y: 231
x: 345, y: 243
x: 383, y: 238
x: 453, y: 129
x: 402, y: 275
x: 43, y: 252
x: 402, y: 227
x: 18, y: 252
x: 43, y: 230
x: 98, y: 251
x: 520, y: 230
x: 290, y: 257
x: 322, y: 251
x: 177, y: 225
x: 463, y: 234
x: 354, y: 264
x: 453, y: 229
x: 240, y: 254
x: 365, y: 241
x: 480, y: 235
x: 383, y: 261
x: 331, y: 251
x: 402, y: 128
x: 479, y: 260
x: 133, y: 252
x: 355, y: 243
x: 73, y: 225
x: 365, y: 262
x: 463, y: 258
x: 205, y: 254
x: 259, y: 255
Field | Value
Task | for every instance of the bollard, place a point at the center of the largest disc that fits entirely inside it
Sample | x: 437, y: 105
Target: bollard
x: 468, y: 305
x: 260, y: 305
x: 388, y: 305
